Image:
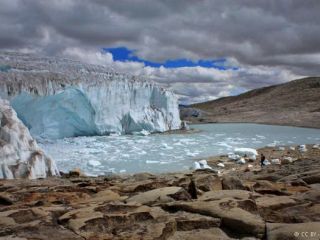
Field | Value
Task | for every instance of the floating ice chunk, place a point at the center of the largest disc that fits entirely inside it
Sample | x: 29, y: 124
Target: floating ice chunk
x: 266, y: 162
x: 241, y: 161
x: 220, y: 165
x: 204, y: 164
x: 272, y: 144
x: 166, y: 146
x: 142, y: 152
x: 144, y: 132
x: 316, y: 146
x: 302, y: 148
x: 233, y: 156
x: 260, y: 136
x: 219, y: 134
x: 94, y: 163
x: 287, y: 160
x: 292, y: 148
x: 245, y: 151
x: 141, y: 133
x: 151, y: 161
x: 196, y: 166
x: 114, y: 134
x: 122, y: 171
x: 275, y: 161
x: 190, y: 154
x: 224, y: 144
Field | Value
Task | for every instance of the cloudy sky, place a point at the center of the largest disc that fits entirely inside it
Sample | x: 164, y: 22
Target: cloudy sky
x: 201, y: 49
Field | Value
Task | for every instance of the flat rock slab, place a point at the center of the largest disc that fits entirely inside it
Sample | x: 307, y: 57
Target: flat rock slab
x: 190, y: 221
x: 220, y: 194
x: 232, y: 216
x: 274, y: 202
x: 160, y: 195
x: 120, y: 221
x: 205, y: 234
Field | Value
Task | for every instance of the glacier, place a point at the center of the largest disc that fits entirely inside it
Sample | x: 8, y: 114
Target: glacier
x: 57, y: 98
x: 20, y: 156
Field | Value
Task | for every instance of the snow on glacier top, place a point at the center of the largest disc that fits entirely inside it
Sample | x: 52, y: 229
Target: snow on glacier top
x: 15, y: 63
x: 25, y: 71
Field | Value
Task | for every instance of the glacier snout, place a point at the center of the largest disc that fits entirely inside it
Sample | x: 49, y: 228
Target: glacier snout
x: 57, y: 98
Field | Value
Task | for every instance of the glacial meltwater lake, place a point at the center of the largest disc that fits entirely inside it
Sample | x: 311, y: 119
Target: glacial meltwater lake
x: 158, y: 153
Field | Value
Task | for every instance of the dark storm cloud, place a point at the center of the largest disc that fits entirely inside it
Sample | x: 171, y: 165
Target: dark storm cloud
x: 277, y: 35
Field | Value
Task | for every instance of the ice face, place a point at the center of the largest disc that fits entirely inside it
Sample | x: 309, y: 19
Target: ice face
x: 58, y: 98
x: 20, y: 155
x: 66, y: 114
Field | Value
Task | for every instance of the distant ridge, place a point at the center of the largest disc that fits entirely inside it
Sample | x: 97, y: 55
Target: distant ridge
x: 295, y: 103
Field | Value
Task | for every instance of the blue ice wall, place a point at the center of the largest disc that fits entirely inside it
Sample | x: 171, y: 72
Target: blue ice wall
x: 66, y: 114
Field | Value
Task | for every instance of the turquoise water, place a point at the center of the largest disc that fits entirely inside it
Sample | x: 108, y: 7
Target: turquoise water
x: 157, y: 153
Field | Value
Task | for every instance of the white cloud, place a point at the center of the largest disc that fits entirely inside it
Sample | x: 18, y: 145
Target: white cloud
x: 192, y: 84
x: 270, y: 43
x: 88, y: 56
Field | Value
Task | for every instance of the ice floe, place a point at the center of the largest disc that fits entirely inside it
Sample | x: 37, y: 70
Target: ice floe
x: 94, y: 163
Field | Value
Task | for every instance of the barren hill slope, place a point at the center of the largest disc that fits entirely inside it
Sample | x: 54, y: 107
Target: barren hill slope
x: 296, y: 103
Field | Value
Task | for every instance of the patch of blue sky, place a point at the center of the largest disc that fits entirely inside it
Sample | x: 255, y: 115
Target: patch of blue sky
x: 124, y: 54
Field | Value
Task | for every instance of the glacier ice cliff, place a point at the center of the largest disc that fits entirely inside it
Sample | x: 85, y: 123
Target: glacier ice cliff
x: 20, y: 156
x: 58, y: 98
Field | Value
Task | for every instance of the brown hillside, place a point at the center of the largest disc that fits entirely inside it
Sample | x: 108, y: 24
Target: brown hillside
x: 296, y: 103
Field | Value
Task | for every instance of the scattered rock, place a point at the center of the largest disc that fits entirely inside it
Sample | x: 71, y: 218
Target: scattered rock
x: 187, y: 205
x: 6, y: 199
x: 207, y: 182
x: 312, y: 177
x: 192, y: 190
x: 232, y: 216
x: 274, y: 202
x: 75, y: 173
x: 276, y: 161
x: 160, y: 195
x: 220, y: 194
x: 287, y: 160
x: 221, y: 165
x: 191, y: 221
x: 203, y: 234
x: 232, y: 182
x: 266, y: 187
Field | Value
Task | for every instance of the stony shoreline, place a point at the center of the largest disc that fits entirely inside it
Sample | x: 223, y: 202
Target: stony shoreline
x: 274, y: 202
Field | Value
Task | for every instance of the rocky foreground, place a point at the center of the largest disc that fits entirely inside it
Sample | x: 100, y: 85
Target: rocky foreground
x: 275, y: 202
